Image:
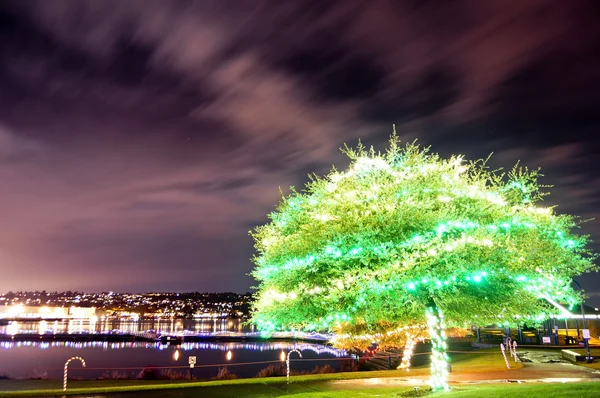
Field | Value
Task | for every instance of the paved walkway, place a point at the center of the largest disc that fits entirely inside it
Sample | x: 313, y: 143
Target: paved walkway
x: 530, y: 372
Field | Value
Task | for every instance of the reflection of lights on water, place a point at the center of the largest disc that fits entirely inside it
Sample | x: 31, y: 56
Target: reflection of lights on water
x: 282, y: 356
x: 13, y: 328
x: 229, y: 355
x: 227, y: 347
x: 42, y: 327
x: 230, y: 324
x: 176, y: 355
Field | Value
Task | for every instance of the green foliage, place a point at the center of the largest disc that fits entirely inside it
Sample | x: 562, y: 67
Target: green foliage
x: 367, y: 249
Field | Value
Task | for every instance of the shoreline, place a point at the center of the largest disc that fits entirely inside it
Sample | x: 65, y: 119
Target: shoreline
x: 165, y: 339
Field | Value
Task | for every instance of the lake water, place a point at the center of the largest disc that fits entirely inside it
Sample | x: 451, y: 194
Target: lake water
x: 170, y: 326
x: 46, y: 359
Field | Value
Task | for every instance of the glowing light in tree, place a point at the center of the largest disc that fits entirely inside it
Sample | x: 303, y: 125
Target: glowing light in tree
x: 407, y: 353
x: 407, y: 239
x: 439, y: 358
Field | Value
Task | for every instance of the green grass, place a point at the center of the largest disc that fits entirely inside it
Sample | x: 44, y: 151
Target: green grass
x: 488, y: 391
x: 480, y: 361
x: 45, y: 387
x: 275, y: 387
x: 595, y: 352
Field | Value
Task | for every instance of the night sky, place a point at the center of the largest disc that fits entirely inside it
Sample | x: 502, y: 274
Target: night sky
x: 140, y: 141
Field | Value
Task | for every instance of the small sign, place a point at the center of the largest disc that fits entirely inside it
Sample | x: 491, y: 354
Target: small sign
x: 192, y: 361
x: 546, y: 340
x: 586, y: 333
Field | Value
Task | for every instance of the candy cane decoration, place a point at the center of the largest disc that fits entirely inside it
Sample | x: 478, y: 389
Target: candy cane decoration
x: 512, y: 347
x: 288, y: 363
x: 508, y: 343
x: 66, y: 365
x: 504, y: 354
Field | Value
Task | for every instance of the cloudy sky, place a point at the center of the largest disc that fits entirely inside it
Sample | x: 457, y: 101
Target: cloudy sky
x: 141, y: 140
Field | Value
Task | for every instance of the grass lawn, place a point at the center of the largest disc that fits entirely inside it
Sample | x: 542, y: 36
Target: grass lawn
x: 276, y: 387
x: 488, y: 391
x: 479, y: 361
x: 595, y: 352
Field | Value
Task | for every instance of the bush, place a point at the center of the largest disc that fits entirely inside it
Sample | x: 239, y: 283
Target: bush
x: 349, y: 365
x: 298, y: 372
x: 37, y: 374
x: 171, y: 374
x: 115, y: 375
x: 271, y: 371
x: 4, y: 376
x: 325, y: 369
x: 149, y: 374
x: 224, y: 374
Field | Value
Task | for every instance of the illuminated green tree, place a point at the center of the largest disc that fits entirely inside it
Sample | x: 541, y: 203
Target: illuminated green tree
x: 407, y: 239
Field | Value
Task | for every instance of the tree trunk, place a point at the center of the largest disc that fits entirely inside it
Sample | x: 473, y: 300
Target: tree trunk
x: 439, y: 358
x: 409, y: 348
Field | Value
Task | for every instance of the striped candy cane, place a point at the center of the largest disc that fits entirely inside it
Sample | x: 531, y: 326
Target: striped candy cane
x: 504, y: 354
x: 288, y: 363
x: 515, y: 351
x: 66, y: 365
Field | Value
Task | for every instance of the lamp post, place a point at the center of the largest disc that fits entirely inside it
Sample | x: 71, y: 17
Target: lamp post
x: 585, y: 341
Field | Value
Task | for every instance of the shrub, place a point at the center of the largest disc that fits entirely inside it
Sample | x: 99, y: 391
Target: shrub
x: 349, y: 365
x: 115, y: 375
x: 224, y: 374
x: 4, y: 376
x: 37, y: 374
x: 171, y: 374
x: 294, y: 372
x: 149, y: 374
x: 271, y: 371
x: 325, y: 369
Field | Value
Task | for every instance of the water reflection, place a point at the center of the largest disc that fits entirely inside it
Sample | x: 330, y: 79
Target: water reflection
x: 33, y: 358
x: 225, y: 346
x: 107, y: 325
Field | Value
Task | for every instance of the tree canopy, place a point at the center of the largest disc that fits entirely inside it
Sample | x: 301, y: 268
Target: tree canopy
x: 366, y: 251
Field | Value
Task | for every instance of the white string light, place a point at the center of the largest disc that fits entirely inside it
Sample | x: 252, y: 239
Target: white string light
x: 439, y: 358
x: 408, y: 352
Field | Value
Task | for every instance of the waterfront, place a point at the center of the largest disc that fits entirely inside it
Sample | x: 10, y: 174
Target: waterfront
x: 108, y: 325
x: 40, y: 359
